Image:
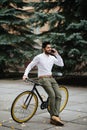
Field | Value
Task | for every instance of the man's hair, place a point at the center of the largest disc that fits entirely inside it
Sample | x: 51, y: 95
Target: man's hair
x: 44, y: 44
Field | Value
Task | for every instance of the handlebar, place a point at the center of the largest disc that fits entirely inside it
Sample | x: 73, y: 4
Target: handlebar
x: 34, y: 82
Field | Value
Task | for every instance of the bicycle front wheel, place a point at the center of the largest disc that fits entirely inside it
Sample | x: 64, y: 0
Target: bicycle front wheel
x: 24, y: 106
x: 65, y: 96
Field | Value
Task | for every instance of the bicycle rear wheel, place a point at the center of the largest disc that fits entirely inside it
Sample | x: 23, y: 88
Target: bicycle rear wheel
x: 65, y: 96
x: 24, y: 106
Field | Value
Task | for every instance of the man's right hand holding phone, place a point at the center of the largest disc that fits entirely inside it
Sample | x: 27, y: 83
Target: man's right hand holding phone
x: 54, y: 51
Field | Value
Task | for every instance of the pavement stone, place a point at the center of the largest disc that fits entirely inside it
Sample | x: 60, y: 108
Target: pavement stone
x: 82, y: 121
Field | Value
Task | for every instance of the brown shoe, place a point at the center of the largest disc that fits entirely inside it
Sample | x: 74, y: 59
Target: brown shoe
x: 57, y: 123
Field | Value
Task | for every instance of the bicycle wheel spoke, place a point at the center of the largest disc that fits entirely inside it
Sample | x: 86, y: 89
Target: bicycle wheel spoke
x: 22, y: 111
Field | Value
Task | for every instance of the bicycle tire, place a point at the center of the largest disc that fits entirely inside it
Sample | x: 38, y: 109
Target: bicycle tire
x: 65, y: 96
x: 19, y: 112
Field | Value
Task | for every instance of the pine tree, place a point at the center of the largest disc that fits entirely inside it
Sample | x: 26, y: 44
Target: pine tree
x: 15, y: 34
x: 65, y: 24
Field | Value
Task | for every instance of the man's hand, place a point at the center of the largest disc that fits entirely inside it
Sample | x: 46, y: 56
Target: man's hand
x: 24, y: 77
x: 54, y: 51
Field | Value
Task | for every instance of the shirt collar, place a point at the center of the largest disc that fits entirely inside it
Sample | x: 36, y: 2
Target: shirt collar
x: 46, y: 54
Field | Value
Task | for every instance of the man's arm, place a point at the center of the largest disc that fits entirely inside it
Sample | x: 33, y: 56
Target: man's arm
x: 58, y: 59
x: 29, y: 67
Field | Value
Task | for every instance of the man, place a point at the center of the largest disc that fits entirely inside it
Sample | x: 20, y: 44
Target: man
x: 45, y: 62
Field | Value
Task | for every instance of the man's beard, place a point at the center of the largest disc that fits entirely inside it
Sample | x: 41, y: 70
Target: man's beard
x: 48, y: 53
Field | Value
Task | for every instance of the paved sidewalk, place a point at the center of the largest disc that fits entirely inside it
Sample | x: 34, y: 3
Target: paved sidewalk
x: 74, y: 115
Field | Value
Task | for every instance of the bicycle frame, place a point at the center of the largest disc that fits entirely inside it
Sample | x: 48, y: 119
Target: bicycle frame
x: 44, y: 104
x: 35, y: 89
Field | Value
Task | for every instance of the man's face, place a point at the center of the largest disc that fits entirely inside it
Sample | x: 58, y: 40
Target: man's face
x: 47, y: 49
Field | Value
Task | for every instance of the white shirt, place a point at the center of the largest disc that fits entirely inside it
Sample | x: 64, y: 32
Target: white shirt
x: 44, y: 63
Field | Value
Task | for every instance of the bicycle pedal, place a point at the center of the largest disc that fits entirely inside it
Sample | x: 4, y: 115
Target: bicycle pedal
x: 44, y: 105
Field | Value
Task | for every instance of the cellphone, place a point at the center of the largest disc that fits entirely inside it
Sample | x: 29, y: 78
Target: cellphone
x: 52, y: 50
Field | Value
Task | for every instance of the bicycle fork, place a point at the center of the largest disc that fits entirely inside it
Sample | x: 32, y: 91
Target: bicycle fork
x: 28, y: 99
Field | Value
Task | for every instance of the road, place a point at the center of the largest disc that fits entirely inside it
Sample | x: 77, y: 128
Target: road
x: 74, y: 115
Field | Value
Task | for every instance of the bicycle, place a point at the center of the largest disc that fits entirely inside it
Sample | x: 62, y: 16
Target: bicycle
x: 26, y: 103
